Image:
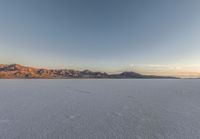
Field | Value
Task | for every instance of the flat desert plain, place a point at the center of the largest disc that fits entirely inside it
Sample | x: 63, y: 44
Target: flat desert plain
x: 100, y: 109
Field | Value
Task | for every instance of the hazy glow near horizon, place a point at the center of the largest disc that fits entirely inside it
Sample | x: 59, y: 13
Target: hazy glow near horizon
x: 153, y: 37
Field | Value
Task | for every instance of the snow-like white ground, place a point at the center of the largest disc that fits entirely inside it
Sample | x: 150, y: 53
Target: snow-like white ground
x: 100, y: 109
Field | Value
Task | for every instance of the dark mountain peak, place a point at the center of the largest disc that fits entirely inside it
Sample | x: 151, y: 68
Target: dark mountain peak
x: 86, y: 71
x: 127, y: 74
x: 130, y: 73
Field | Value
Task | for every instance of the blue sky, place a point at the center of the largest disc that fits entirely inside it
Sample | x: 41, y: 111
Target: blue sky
x: 106, y: 35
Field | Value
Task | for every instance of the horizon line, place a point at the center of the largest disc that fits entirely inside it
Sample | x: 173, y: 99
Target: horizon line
x: 182, y: 74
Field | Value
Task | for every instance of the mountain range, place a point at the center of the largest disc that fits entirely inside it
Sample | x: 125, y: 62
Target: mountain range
x: 16, y: 71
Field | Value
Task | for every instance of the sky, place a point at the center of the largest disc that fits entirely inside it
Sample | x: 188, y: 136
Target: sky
x: 159, y: 37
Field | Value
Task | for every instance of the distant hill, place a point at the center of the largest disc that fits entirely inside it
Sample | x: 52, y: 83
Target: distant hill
x: 16, y: 71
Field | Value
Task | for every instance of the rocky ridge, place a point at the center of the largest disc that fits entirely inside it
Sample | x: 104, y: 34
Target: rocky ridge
x: 16, y: 71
